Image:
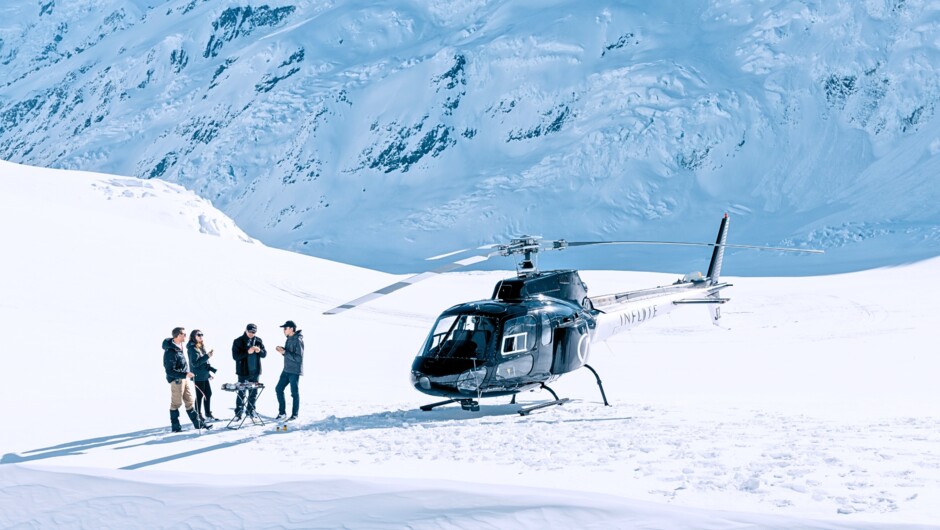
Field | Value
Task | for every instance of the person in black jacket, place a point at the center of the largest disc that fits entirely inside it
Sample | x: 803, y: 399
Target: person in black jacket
x: 202, y: 373
x: 293, y: 352
x: 179, y: 376
x: 247, y: 350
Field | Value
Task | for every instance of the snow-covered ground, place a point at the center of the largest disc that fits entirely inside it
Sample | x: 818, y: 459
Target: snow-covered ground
x: 815, y: 406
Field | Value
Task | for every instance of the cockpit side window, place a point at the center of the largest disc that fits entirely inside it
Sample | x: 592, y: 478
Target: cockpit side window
x: 519, y: 335
x: 460, y: 336
x: 441, y: 330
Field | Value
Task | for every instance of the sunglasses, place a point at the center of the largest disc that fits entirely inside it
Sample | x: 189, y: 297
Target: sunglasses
x: 198, y: 334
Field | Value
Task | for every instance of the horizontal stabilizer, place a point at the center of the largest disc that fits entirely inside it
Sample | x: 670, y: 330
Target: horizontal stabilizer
x: 702, y: 301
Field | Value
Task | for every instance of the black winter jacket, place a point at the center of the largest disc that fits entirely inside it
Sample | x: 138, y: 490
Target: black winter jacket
x: 199, y: 362
x: 294, y: 354
x: 247, y: 365
x: 174, y: 362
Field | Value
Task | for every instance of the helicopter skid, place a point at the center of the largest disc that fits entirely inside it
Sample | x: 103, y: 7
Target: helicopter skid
x: 473, y: 405
x: 526, y: 410
x: 438, y: 404
x: 466, y: 404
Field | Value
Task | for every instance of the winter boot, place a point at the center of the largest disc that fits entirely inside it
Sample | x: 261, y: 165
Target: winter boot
x: 175, y: 421
x: 197, y: 422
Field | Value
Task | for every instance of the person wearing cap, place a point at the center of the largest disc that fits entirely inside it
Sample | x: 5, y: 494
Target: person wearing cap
x: 293, y: 352
x: 247, y: 350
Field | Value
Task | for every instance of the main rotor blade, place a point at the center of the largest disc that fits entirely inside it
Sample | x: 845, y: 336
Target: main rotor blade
x: 409, y: 281
x: 454, y: 253
x: 682, y: 243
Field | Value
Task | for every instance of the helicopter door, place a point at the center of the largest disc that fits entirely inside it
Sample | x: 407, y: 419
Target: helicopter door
x: 517, y: 348
x: 544, y: 354
x: 572, y: 346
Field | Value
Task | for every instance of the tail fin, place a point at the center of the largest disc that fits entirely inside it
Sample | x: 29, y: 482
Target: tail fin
x: 714, y: 268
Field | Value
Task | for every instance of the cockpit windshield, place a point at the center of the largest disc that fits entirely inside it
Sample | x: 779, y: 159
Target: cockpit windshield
x: 460, y: 337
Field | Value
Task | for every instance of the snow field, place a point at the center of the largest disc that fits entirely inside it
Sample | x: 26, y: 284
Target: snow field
x: 813, y: 406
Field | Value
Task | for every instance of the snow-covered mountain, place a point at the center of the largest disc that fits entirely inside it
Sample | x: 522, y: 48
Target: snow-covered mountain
x: 381, y: 133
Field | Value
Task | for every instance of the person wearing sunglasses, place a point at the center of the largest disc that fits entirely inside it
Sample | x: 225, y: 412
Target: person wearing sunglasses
x: 180, y: 377
x: 202, y: 373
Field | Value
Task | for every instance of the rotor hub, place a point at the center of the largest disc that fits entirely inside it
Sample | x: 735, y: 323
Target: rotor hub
x: 529, y: 247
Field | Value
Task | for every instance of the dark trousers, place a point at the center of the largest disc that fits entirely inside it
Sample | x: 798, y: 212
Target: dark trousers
x: 293, y: 380
x: 203, y: 395
x: 252, y: 395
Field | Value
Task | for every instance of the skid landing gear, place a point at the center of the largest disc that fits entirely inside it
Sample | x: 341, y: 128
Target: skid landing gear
x: 467, y: 404
x: 524, y: 411
x: 438, y: 404
x: 470, y: 404
x: 599, y: 384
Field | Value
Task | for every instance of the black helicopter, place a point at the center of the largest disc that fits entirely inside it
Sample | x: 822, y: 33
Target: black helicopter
x: 540, y: 325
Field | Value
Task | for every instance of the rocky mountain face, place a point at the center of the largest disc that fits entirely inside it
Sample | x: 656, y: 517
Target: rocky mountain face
x: 381, y: 133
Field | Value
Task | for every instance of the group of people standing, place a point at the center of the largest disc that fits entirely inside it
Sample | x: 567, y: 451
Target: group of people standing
x: 188, y: 373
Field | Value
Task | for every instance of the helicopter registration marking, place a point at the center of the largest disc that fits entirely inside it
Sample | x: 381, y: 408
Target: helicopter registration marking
x: 638, y: 315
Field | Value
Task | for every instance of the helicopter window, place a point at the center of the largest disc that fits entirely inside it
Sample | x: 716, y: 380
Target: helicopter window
x: 460, y: 336
x: 546, y: 330
x: 518, y: 335
x: 441, y: 330
x: 514, y: 344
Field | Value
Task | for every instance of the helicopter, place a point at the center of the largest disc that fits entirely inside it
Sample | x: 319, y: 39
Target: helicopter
x: 541, y: 325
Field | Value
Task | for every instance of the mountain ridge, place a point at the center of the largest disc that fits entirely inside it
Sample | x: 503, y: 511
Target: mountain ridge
x: 378, y: 135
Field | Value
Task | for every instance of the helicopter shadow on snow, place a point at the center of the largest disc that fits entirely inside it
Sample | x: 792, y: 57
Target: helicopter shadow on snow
x: 443, y: 416
x: 378, y: 420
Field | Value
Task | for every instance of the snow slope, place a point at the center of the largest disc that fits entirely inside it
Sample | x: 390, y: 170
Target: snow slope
x: 379, y: 134
x: 816, y: 406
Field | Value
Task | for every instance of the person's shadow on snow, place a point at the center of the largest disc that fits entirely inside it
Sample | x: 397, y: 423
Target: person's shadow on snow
x: 78, y: 447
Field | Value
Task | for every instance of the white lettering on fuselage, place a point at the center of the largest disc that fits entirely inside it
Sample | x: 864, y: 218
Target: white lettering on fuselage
x: 637, y: 315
